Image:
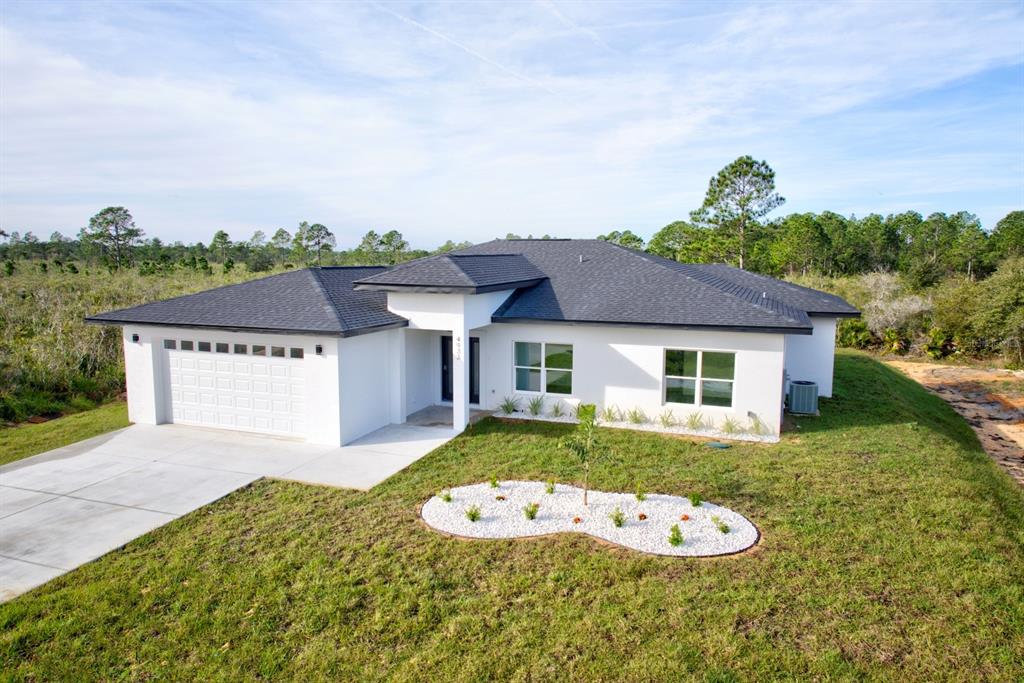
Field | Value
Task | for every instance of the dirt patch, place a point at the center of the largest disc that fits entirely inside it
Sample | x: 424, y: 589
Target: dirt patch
x: 992, y: 402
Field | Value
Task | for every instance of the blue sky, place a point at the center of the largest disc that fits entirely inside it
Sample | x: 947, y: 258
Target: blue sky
x: 471, y: 120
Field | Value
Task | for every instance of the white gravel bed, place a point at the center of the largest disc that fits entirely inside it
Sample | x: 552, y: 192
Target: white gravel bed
x: 648, y: 427
x: 505, y: 518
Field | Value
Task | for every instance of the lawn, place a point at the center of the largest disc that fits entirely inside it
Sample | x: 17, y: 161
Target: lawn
x: 24, y: 440
x: 892, y: 548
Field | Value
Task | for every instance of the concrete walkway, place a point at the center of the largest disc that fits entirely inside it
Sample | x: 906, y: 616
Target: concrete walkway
x: 61, y: 509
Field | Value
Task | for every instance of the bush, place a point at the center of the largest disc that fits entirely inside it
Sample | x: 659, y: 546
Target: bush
x: 667, y: 419
x: 695, y: 421
x: 675, y: 537
x: 549, y: 488
x: 536, y: 405
x: 494, y: 482
x: 530, y: 511
x: 641, y: 495
x: 637, y: 416
x: 722, y: 526
x: 473, y: 513
x: 695, y: 499
x: 618, y: 517
x: 853, y: 333
x: 509, y: 405
x: 446, y: 495
x: 610, y: 414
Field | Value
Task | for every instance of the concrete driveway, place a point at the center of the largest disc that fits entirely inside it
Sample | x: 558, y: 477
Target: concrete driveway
x: 61, y: 509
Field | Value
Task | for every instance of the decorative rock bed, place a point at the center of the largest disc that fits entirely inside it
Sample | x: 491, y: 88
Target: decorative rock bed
x: 651, y: 426
x: 505, y: 518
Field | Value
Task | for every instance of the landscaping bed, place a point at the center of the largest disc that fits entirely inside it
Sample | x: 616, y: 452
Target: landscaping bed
x: 702, y: 529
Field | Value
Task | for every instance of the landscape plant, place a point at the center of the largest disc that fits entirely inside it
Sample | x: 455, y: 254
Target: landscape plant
x: 445, y: 495
x: 637, y: 416
x: 722, y: 526
x: 557, y: 410
x: 695, y: 499
x: 530, y: 511
x: 730, y: 426
x: 473, y: 513
x: 618, y: 517
x: 675, y: 536
x: 641, y: 494
x: 509, y: 405
x: 493, y: 481
x: 585, y: 444
x: 667, y: 419
x: 549, y: 487
x: 610, y: 413
x: 695, y: 421
x: 535, y: 405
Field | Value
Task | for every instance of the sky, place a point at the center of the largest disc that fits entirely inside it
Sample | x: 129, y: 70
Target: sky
x: 467, y: 121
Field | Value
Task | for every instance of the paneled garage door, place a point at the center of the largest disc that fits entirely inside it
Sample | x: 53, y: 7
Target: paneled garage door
x: 251, y: 387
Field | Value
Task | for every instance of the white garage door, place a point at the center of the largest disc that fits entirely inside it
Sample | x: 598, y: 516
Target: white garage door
x: 251, y: 387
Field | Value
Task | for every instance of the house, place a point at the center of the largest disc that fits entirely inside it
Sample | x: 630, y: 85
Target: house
x: 330, y: 354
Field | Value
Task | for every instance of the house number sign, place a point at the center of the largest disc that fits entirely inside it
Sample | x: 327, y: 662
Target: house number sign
x: 458, y: 348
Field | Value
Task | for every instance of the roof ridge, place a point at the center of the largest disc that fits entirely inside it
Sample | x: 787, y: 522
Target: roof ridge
x: 331, y: 305
x: 780, y: 308
x: 787, y: 284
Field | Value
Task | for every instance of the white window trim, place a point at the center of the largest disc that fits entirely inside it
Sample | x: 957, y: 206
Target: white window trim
x: 543, y: 369
x: 698, y: 389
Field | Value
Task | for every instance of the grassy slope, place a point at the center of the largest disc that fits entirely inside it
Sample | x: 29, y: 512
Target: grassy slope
x: 29, y: 439
x: 892, y: 548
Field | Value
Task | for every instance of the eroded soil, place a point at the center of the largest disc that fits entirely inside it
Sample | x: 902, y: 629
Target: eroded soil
x: 991, y: 400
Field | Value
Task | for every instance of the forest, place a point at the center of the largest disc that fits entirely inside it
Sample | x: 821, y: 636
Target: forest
x: 938, y: 285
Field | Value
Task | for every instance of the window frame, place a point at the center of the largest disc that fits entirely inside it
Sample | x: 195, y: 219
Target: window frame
x: 543, y: 368
x: 698, y: 380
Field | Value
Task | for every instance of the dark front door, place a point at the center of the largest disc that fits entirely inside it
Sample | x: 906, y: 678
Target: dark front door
x: 474, y: 369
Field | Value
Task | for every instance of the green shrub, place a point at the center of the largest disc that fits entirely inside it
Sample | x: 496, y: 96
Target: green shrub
x: 730, y: 426
x: 494, y: 481
x: 618, y: 517
x: 853, y: 333
x: 530, y: 511
x: 641, y: 495
x: 667, y: 419
x: 557, y: 410
x: 675, y: 537
x: 549, y: 488
x: 509, y: 405
x: 695, y: 499
x: 473, y: 513
x: 695, y: 421
x: 610, y: 414
x: 536, y: 405
x: 722, y: 526
x: 895, y: 341
x: 637, y: 416
x: 445, y: 495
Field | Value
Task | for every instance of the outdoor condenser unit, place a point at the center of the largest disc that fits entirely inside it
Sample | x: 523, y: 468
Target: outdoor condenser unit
x: 803, y: 397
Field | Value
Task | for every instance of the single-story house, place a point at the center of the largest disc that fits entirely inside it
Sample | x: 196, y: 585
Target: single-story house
x: 330, y: 354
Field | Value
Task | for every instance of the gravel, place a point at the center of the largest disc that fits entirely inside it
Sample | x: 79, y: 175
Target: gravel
x: 505, y: 518
x: 654, y: 426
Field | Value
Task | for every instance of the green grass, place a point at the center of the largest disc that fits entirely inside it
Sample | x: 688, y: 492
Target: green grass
x: 24, y: 440
x: 892, y: 548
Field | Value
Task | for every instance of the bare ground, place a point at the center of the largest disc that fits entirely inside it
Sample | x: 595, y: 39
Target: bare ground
x: 991, y: 400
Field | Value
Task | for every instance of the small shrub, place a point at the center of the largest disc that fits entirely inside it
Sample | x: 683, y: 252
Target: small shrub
x: 667, y: 419
x: 637, y: 416
x: 722, y: 526
x: 446, y: 495
x: 675, y: 537
x: 695, y: 499
x: 641, y: 495
x: 509, y: 405
x: 473, y: 513
x: 549, y: 488
x: 730, y: 426
x: 531, y: 510
x: 618, y: 517
x: 610, y: 414
x: 695, y: 421
x: 494, y: 482
x: 535, y: 406
x: 557, y: 410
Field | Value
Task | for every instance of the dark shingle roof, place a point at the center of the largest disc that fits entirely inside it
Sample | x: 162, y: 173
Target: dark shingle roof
x: 465, y: 273
x: 312, y: 300
x: 591, y: 281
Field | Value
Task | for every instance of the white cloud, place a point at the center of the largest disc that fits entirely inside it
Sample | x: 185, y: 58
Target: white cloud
x: 469, y: 121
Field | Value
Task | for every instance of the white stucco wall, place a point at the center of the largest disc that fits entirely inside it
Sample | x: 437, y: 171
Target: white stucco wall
x: 812, y: 357
x: 422, y: 367
x: 624, y: 366
x: 366, y: 380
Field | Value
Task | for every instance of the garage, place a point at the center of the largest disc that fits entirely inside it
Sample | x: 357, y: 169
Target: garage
x: 243, y: 384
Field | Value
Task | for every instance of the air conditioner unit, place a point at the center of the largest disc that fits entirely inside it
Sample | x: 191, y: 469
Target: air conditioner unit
x: 803, y: 397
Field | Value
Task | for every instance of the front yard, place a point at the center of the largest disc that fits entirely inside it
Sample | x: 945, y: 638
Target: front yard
x: 892, y: 547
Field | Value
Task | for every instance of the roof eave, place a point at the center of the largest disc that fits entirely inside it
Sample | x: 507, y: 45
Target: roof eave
x: 256, y: 330
x: 431, y: 289
x: 833, y: 314
x: 668, y: 326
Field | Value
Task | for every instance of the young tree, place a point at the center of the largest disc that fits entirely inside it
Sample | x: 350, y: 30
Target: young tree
x: 393, y: 245
x: 738, y: 197
x: 319, y: 238
x: 585, y: 445
x: 800, y: 244
x: 624, y: 238
x: 1008, y: 237
x: 688, y: 244
x: 113, y: 231
x: 300, y: 243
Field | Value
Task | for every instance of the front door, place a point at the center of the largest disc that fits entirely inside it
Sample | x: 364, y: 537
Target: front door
x: 474, y: 369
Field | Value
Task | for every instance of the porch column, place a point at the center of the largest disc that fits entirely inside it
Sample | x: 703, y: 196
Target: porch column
x: 460, y: 379
x: 397, y: 371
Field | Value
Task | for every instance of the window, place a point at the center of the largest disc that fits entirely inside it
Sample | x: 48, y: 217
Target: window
x: 295, y: 353
x: 699, y: 377
x: 170, y: 344
x: 222, y: 347
x: 187, y: 345
x: 543, y: 367
x: 259, y: 350
x: 277, y: 351
x: 241, y: 348
x: 204, y: 346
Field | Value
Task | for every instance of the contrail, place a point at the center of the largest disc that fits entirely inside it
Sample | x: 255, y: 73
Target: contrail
x: 466, y: 49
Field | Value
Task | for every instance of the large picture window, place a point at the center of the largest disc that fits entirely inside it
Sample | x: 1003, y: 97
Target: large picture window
x: 543, y: 367
x: 699, y: 377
